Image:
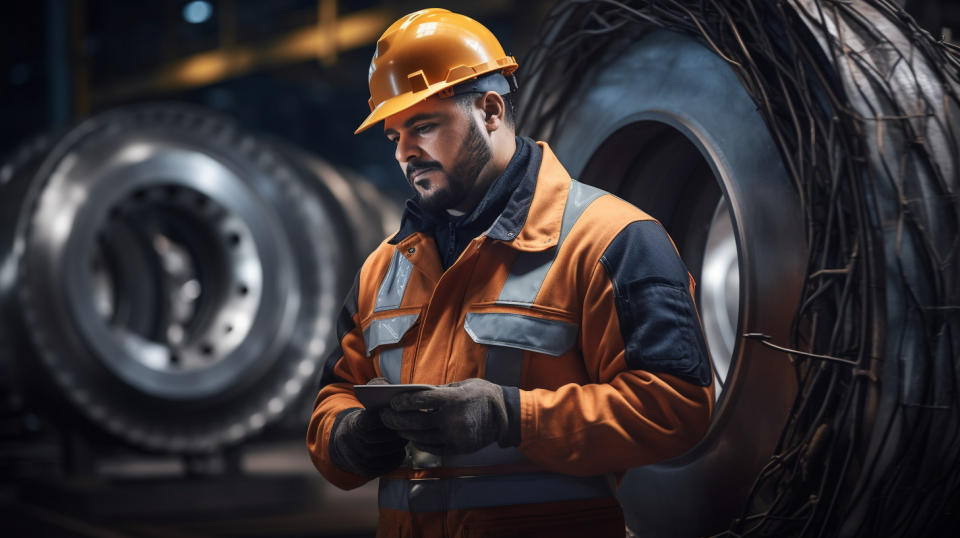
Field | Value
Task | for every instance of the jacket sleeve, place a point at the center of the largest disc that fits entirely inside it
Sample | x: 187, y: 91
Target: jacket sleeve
x: 651, y: 394
x: 344, y: 367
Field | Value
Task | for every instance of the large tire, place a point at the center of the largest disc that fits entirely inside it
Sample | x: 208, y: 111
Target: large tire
x: 663, y: 105
x: 661, y: 127
x: 176, y: 277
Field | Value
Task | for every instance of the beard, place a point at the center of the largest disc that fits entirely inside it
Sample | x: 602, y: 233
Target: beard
x: 473, y: 154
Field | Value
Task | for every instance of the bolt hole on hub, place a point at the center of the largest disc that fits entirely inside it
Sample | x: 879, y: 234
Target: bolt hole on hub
x: 175, y: 278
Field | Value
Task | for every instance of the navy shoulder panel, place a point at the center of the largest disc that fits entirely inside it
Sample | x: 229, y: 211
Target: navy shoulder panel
x: 345, y: 324
x: 658, y: 320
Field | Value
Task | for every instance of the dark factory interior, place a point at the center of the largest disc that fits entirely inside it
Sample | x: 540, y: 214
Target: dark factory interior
x: 184, y: 206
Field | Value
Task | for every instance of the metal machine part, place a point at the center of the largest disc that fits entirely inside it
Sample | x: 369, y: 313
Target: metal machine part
x: 720, y: 292
x: 178, y: 278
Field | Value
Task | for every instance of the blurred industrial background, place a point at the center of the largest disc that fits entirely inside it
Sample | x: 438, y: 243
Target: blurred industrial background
x: 187, y: 173
x: 280, y: 84
x: 293, y: 68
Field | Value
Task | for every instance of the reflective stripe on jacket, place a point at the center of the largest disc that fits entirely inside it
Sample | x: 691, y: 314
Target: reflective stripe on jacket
x: 574, y: 296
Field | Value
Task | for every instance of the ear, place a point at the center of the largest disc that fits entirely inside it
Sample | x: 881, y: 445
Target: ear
x: 493, y: 108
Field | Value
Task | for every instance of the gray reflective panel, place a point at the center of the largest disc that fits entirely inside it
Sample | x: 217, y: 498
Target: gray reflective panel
x: 394, y: 284
x: 504, y: 365
x: 526, y: 276
x: 431, y: 495
x: 519, y: 331
x: 390, y: 363
x: 581, y: 195
x: 492, y: 454
x: 530, y: 268
x: 387, y: 330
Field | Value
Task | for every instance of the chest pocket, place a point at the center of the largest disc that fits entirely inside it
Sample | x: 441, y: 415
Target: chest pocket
x: 508, y: 335
x: 383, y: 335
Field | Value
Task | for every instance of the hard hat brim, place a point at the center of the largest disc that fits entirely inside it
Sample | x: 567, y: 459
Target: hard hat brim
x: 398, y: 104
x: 401, y: 102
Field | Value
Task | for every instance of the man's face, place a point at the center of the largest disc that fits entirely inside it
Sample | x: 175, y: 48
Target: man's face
x: 441, y: 150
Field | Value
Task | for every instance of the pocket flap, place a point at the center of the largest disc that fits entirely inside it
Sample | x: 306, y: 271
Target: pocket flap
x: 547, y: 336
x: 385, y: 331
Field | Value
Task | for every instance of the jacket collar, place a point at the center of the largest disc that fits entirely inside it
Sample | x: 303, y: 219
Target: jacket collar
x: 532, y: 217
x: 531, y: 221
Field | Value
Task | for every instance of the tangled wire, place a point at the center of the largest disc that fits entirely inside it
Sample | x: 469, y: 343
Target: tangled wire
x: 864, y: 108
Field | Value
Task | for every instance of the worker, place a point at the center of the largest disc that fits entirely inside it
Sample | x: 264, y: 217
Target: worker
x: 555, y: 320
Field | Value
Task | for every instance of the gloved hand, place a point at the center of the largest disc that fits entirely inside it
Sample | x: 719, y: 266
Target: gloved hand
x: 361, y: 444
x: 455, y: 418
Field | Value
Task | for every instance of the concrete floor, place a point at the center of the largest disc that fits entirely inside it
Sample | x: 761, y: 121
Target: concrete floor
x: 279, y: 494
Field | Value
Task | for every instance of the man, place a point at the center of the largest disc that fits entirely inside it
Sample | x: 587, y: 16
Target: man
x: 555, y: 319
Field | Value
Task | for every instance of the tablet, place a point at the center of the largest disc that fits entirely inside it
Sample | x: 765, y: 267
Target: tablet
x: 377, y: 396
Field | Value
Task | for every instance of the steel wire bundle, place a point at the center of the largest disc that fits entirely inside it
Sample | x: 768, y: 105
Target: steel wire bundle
x: 872, y: 444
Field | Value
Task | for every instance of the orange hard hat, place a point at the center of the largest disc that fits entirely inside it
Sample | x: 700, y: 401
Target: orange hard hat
x: 426, y: 52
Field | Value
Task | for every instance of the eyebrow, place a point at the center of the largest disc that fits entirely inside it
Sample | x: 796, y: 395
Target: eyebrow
x: 414, y: 119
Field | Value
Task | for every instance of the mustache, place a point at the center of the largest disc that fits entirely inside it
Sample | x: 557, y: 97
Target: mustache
x: 417, y: 166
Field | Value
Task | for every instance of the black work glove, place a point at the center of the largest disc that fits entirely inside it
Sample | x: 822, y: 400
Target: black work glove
x: 456, y: 418
x: 361, y: 444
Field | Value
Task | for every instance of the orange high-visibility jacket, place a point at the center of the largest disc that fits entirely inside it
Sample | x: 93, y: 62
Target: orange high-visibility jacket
x: 552, y: 299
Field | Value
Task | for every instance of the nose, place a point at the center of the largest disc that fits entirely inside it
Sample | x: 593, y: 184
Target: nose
x: 406, y: 149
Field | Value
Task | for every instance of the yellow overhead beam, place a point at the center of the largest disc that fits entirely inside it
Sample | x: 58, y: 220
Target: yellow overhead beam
x: 321, y: 41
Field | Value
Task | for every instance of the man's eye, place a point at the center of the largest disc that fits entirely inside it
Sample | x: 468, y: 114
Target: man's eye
x: 426, y: 127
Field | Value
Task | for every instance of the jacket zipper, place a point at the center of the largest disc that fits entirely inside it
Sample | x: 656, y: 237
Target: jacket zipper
x: 452, y: 245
